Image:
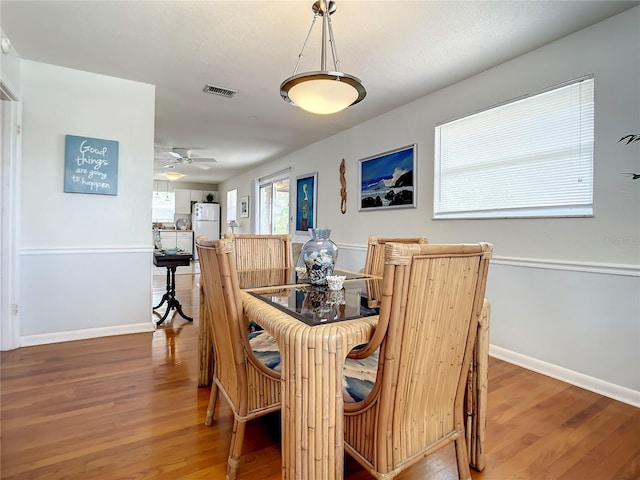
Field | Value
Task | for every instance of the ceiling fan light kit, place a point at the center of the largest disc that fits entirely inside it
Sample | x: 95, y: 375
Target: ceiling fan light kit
x: 173, y: 175
x: 325, y: 91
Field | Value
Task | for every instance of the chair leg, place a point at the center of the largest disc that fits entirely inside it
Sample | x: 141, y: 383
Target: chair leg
x: 235, y: 450
x: 464, y: 473
x: 211, y: 408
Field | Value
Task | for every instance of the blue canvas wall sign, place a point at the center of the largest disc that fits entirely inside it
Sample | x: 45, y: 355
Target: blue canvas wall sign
x: 90, y: 165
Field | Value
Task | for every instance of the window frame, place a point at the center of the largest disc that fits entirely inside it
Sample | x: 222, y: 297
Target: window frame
x: 155, y: 208
x: 232, y: 205
x: 270, y: 181
x: 583, y: 162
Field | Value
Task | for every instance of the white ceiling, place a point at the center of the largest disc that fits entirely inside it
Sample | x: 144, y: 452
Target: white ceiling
x: 401, y: 50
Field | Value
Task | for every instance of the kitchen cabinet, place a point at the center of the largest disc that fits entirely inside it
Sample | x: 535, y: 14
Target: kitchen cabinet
x: 168, y: 239
x: 180, y: 239
x: 184, y: 198
x: 183, y: 201
x: 184, y: 241
x: 197, y: 196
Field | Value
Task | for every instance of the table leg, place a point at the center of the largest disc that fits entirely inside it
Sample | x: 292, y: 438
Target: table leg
x: 312, y: 361
x: 312, y: 404
x: 178, y: 307
x: 164, y: 316
x: 172, y: 302
x: 166, y: 296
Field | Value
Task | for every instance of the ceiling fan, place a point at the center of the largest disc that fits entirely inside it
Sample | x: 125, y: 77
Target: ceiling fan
x: 183, y: 156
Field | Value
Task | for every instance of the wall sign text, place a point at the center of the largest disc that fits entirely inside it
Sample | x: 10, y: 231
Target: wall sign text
x: 90, y: 165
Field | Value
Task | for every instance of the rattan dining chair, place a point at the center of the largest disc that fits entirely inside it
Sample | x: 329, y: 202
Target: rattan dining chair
x: 433, y: 297
x: 262, y: 251
x: 363, y: 369
x: 251, y: 252
x: 249, y: 386
x: 374, y: 262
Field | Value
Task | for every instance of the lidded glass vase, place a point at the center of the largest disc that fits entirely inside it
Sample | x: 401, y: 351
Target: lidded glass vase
x: 319, y: 255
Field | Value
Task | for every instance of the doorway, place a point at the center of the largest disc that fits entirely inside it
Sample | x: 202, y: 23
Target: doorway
x: 10, y: 111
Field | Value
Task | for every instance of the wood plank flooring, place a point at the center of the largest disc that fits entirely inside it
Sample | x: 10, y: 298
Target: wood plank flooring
x: 128, y: 407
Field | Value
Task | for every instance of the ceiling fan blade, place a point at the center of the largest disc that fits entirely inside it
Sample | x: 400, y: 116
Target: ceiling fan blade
x: 175, y: 155
x: 201, y: 166
x: 204, y: 159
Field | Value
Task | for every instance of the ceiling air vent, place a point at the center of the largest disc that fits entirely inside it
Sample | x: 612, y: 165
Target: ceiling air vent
x: 223, y: 92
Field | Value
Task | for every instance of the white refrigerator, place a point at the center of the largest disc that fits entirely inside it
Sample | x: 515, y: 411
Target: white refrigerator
x: 205, y: 220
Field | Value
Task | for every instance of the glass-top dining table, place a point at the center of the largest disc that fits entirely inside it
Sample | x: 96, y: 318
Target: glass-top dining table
x: 317, y: 305
x: 252, y: 280
x: 315, y: 329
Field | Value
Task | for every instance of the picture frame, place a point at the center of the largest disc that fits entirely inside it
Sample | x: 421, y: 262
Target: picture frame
x: 306, y: 202
x: 387, y: 180
x: 91, y: 165
x: 244, y: 207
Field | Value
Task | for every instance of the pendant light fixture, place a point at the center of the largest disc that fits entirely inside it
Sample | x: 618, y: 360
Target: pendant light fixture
x: 173, y: 175
x: 324, y: 91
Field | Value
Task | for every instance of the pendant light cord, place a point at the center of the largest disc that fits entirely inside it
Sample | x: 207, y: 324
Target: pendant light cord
x: 326, y: 25
x: 332, y: 42
x: 313, y: 22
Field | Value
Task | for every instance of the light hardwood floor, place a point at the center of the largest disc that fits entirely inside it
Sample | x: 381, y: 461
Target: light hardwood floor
x: 128, y: 407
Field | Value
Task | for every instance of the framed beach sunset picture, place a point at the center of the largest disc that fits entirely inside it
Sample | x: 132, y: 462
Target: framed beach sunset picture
x: 387, y: 180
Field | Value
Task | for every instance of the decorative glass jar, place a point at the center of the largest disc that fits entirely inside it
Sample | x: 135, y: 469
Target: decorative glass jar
x: 319, y: 255
x: 316, y: 305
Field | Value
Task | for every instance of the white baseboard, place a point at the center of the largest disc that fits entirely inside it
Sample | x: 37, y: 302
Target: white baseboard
x: 56, y: 337
x: 622, y: 394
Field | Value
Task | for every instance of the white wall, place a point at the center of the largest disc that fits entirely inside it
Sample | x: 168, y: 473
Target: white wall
x: 565, y: 292
x: 85, y: 259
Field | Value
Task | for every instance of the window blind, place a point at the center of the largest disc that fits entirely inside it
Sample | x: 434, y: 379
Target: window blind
x: 529, y: 157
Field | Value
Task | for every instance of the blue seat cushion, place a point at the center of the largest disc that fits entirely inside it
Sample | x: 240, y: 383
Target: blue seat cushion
x: 359, y: 377
x: 265, y: 348
x: 357, y: 381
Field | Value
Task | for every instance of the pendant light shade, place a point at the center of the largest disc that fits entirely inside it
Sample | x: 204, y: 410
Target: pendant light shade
x: 325, y: 91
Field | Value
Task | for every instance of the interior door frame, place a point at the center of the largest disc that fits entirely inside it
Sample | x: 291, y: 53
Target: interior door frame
x: 10, y: 151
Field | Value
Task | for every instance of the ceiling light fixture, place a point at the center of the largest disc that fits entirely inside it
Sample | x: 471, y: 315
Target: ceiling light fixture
x: 173, y: 175
x: 325, y: 91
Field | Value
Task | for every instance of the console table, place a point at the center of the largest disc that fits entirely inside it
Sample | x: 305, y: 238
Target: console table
x: 171, y: 262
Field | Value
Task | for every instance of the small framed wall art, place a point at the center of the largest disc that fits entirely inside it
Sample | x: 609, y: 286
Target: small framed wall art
x: 387, y: 180
x: 244, y: 207
x: 306, y: 201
